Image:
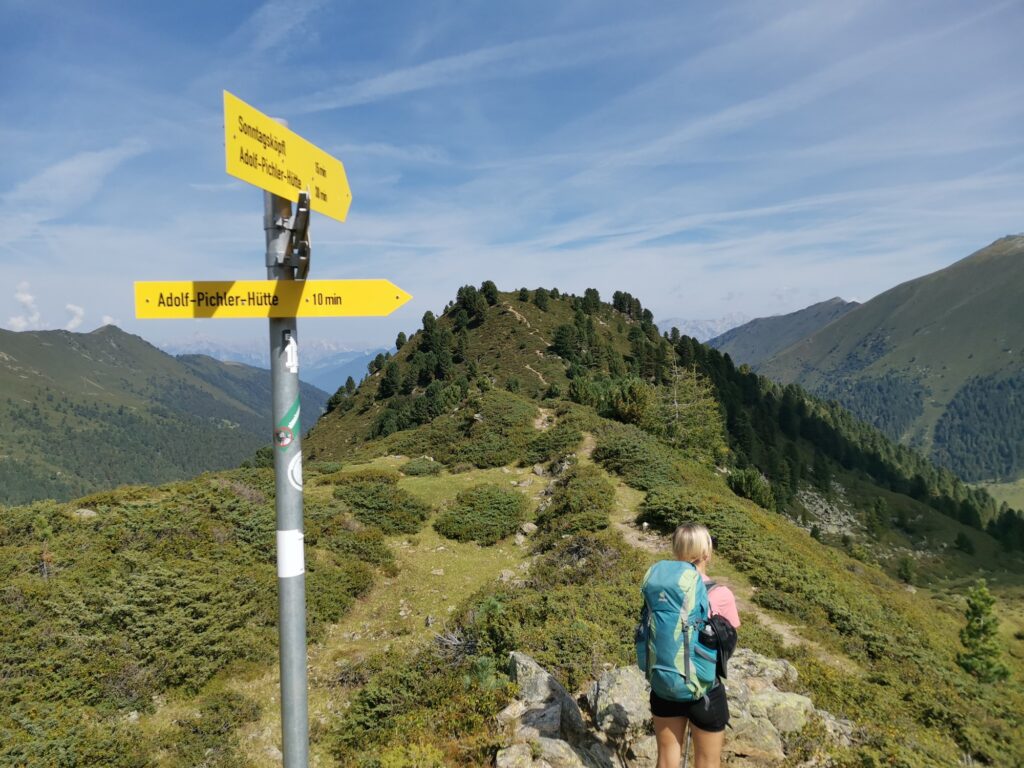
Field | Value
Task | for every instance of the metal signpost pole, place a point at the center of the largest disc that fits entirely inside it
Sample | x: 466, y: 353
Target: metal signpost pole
x: 291, y: 578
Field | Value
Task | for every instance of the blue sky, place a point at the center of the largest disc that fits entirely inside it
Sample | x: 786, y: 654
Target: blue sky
x: 710, y: 158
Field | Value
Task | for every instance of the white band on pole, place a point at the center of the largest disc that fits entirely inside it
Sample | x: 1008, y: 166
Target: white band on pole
x: 290, y: 559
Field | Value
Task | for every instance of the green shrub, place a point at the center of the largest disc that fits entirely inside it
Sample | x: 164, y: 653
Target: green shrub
x: 582, y: 501
x: 556, y: 442
x: 484, y: 513
x: 384, y: 505
x: 421, y: 466
x: 638, y: 458
x: 367, y: 475
x: 423, y: 698
x: 751, y: 484
x: 344, y: 537
x: 324, y: 467
x: 490, y: 431
x: 331, y: 589
x: 207, y: 738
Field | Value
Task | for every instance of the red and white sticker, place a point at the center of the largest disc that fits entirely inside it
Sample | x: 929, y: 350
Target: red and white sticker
x: 283, y: 437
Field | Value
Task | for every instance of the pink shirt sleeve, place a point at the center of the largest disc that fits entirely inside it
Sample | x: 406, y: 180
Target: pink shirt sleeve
x: 723, y: 603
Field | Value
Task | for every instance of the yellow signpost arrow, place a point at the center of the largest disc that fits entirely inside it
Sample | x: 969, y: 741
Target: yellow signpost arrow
x: 267, y: 298
x: 261, y: 151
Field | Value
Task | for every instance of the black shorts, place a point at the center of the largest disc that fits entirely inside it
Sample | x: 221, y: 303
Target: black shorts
x: 708, y: 714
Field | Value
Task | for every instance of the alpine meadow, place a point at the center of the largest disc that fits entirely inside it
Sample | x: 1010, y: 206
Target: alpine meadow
x: 573, y: 419
x: 512, y: 385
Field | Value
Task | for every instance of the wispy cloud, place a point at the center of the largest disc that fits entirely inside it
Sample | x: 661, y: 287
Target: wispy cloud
x: 276, y: 24
x: 63, y: 187
x: 505, y: 61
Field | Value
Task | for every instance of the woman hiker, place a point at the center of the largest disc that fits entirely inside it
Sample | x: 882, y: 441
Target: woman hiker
x: 707, y: 715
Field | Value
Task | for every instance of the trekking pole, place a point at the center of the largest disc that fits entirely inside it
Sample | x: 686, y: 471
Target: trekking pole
x: 686, y: 747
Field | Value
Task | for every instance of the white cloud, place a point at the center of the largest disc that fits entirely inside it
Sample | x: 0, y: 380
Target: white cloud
x: 77, y: 314
x: 30, y: 318
x: 108, y: 320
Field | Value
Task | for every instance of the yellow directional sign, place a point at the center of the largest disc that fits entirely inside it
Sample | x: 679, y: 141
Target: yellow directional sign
x: 267, y: 298
x: 263, y: 152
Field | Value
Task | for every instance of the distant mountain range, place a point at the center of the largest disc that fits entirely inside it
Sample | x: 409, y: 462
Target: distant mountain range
x: 323, y: 363
x: 765, y: 337
x: 87, y: 411
x: 702, y: 330
x: 936, y: 362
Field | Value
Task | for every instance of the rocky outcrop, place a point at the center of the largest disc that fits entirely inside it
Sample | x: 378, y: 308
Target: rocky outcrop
x: 546, y: 727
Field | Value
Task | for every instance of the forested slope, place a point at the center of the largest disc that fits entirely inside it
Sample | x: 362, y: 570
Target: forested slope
x: 935, y: 362
x: 85, y: 411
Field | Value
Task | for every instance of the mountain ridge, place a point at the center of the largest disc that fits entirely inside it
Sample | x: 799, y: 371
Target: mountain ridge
x: 766, y: 337
x: 921, y: 360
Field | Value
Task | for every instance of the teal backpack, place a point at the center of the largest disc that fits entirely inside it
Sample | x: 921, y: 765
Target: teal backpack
x: 668, y: 648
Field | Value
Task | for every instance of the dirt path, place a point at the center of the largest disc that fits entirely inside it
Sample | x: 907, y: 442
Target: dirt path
x: 545, y: 419
x: 539, y: 375
x: 524, y: 321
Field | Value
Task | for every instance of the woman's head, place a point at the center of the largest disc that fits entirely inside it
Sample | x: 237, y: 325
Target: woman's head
x: 691, y: 543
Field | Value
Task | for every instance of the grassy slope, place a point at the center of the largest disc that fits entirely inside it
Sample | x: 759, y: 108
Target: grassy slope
x: 390, y: 618
x: 765, y: 337
x: 938, y: 330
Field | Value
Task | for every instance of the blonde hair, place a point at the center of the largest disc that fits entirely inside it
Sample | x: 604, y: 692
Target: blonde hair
x: 691, y: 543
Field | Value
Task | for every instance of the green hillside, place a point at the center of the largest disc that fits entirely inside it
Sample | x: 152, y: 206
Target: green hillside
x: 935, y: 363
x: 86, y: 411
x: 765, y: 337
x: 136, y: 626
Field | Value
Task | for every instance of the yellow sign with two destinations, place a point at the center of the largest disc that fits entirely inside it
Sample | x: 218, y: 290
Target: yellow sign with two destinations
x: 266, y: 298
x: 263, y: 152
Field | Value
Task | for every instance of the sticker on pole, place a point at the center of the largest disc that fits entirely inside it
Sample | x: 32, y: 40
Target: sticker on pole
x: 283, y: 437
x: 262, y: 152
x: 290, y: 558
x: 295, y: 472
x: 284, y: 432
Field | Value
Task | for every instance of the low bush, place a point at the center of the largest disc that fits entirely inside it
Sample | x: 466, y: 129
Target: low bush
x: 640, y: 459
x: 366, y: 475
x: 421, y: 466
x: 556, y: 442
x: 492, y: 430
x: 582, y: 501
x: 751, y: 484
x: 424, y: 699
x: 331, y: 590
x: 324, y: 467
x: 206, y: 738
x: 343, y: 536
x: 484, y: 513
x: 384, y: 505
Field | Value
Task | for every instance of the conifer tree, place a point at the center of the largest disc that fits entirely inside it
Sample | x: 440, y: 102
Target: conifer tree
x: 350, y: 385
x: 979, y: 637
